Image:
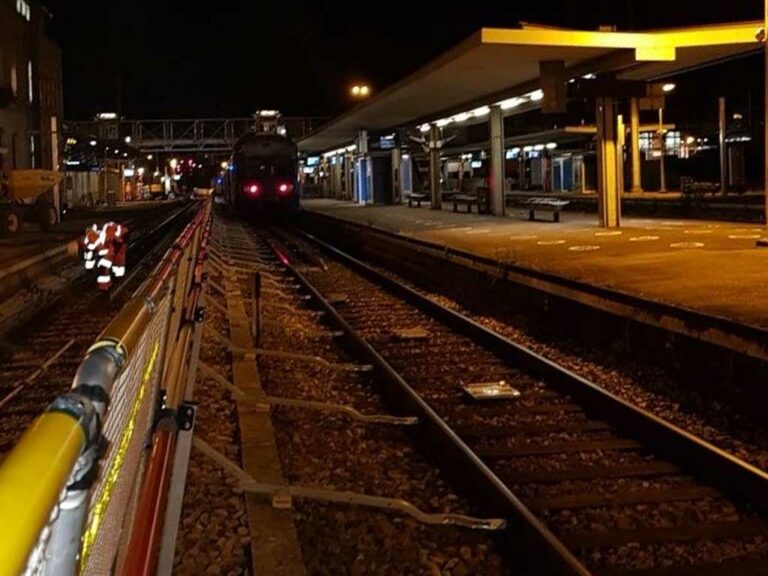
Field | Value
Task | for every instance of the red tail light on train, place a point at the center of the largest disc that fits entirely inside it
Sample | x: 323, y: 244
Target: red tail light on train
x: 285, y: 188
x: 252, y: 188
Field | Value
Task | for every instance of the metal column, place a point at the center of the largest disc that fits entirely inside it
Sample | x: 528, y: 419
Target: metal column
x: 663, y: 145
x: 497, y: 160
x: 396, y: 162
x: 634, y: 134
x: 609, y: 201
x: 621, y: 138
x: 721, y: 142
x: 434, y: 166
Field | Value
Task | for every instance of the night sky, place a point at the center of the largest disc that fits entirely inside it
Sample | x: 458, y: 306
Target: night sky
x: 296, y: 55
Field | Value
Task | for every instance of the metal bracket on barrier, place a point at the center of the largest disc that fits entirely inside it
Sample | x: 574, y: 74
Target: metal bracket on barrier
x: 282, y: 496
x: 185, y: 416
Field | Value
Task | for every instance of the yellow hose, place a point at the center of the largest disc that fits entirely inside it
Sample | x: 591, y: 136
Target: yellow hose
x: 32, y: 477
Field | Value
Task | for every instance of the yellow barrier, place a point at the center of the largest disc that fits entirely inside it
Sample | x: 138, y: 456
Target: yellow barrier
x: 32, y: 478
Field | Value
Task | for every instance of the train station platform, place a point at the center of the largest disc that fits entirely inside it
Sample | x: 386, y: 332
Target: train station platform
x: 711, y: 267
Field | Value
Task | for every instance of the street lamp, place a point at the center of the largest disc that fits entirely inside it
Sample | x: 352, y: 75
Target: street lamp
x: 361, y: 91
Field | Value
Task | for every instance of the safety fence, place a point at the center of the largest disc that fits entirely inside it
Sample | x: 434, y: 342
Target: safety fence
x: 84, y: 491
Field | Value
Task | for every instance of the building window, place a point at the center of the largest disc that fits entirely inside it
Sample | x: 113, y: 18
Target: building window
x: 22, y: 7
x: 14, y: 80
x: 29, y: 80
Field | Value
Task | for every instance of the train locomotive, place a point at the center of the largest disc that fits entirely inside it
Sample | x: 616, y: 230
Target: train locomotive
x: 262, y: 176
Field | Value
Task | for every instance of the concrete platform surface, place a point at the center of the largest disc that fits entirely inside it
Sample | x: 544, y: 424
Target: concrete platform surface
x: 711, y: 267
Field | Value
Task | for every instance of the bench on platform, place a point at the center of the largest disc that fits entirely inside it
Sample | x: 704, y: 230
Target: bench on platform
x: 468, y: 199
x: 693, y: 187
x: 416, y: 197
x: 546, y: 204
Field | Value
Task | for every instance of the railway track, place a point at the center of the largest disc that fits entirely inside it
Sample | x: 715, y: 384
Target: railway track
x: 39, y: 359
x: 590, y: 484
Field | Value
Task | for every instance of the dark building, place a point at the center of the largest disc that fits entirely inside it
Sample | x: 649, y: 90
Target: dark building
x: 30, y: 88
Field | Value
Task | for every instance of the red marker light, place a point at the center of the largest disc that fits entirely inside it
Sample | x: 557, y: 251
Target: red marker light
x: 252, y: 189
x: 285, y: 188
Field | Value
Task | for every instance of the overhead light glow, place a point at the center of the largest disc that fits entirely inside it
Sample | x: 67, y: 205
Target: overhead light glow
x: 482, y: 111
x: 589, y: 76
x: 443, y: 122
x: 668, y: 87
x: 551, y: 145
x: 536, y: 95
x: 539, y: 147
x: 127, y: 139
x: 224, y: 165
x: 141, y: 171
x: 527, y: 148
x: 149, y: 156
x: 107, y: 116
x: 461, y: 117
x: 92, y: 142
x: 424, y: 127
x: 510, y: 103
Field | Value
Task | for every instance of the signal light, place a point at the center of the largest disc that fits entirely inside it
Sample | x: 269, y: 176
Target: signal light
x: 285, y: 188
x: 252, y: 189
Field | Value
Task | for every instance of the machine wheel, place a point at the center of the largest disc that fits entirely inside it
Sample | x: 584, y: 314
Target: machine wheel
x: 46, y: 215
x: 10, y: 221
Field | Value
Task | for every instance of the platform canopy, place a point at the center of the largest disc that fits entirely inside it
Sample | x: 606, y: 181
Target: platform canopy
x: 495, y: 64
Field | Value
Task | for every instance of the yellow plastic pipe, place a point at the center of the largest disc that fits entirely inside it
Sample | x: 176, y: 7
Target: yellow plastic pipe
x: 32, y: 477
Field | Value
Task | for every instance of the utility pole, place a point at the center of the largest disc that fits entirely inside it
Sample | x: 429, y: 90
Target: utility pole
x: 763, y: 242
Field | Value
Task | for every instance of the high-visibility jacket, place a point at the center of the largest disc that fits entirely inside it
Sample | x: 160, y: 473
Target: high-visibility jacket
x: 90, y: 243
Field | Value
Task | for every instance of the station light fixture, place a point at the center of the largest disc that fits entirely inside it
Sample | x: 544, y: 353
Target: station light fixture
x: 174, y: 163
x: 149, y: 156
x: 424, y: 128
x: 141, y: 171
x: 107, y: 116
x: 668, y: 87
x: 510, y: 103
x: 536, y: 95
x: 127, y: 139
x: 482, y: 111
x: 116, y: 151
x: 538, y: 147
x: 589, y: 76
x: 551, y: 145
x: 92, y: 142
x: 461, y: 117
x: 360, y: 90
x: 224, y: 165
x: 443, y: 122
